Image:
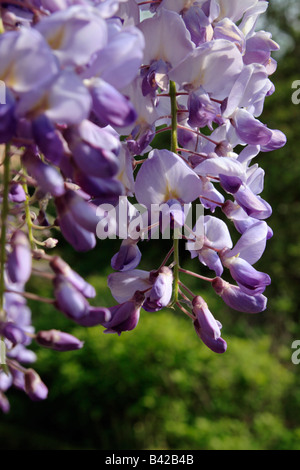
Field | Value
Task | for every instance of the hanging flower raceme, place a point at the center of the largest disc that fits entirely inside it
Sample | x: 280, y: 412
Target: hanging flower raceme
x: 88, y: 88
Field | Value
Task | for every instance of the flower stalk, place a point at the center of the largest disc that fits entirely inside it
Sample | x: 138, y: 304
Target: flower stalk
x: 4, y: 213
x: 174, y: 146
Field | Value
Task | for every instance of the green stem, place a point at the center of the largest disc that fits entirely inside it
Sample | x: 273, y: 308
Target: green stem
x: 176, y: 265
x: 174, y: 109
x: 28, y: 216
x: 4, y: 213
x: 174, y: 146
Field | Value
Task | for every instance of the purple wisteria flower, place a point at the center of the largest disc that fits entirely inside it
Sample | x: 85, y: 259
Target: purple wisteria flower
x: 206, y: 327
x: 156, y: 285
x: 89, y: 86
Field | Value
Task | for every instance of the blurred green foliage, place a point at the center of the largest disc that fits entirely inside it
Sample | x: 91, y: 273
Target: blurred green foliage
x: 159, y: 387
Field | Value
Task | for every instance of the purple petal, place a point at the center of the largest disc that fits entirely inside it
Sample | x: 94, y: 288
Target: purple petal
x: 48, y: 139
x: 235, y: 298
x: 69, y: 300
x: 250, y: 130
x: 118, y: 63
x: 13, y: 333
x: 69, y: 34
x: 214, y: 65
x: 160, y: 44
x: 59, y: 266
x: 248, y: 278
x: 58, y: 340
x: 211, y: 259
x: 110, y: 106
x: 170, y: 178
x: 19, y: 50
x: 128, y: 257
x: 125, y: 316
x: 252, y: 204
x: 16, y: 193
x: 34, y: 387
x: 96, y: 316
x: 48, y: 178
x: 226, y: 166
x: 160, y: 294
x: 230, y: 184
x: 252, y: 243
x: 277, y: 141
x: 123, y: 285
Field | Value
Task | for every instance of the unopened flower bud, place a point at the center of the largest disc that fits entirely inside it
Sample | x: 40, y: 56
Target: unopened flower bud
x: 160, y: 294
x: 4, y: 403
x: 58, y: 340
x: 59, y: 266
x: 34, y: 387
x: 235, y: 298
x: 206, y: 327
x: 13, y: 333
x: 125, y: 316
x: 69, y: 300
x: 19, y: 260
x: 51, y: 243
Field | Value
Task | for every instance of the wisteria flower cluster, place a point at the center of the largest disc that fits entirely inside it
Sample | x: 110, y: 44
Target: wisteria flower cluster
x: 89, y: 84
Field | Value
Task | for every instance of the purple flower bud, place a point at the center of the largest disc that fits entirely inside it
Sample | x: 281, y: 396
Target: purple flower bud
x: 80, y: 238
x: 237, y: 299
x: 125, y: 316
x: 96, y: 316
x: 13, y: 333
x: 59, y: 266
x: 51, y: 243
x: 58, y: 340
x: 105, y: 188
x: 278, y: 140
x: 34, y: 387
x: 160, y: 294
x: 6, y: 381
x: 48, y: 139
x: 69, y: 300
x: 206, y: 327
x: 110, y: 106
x: 48, y: 178
x: 4, y: 403
x: 19, y: 260
x: 84, y: 212
x: 248, y: 278
x: 18, y: 379
x: 94, y: 149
